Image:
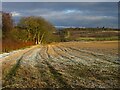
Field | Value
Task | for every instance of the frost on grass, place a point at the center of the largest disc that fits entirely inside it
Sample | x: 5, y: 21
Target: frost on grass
x: 78, y: 64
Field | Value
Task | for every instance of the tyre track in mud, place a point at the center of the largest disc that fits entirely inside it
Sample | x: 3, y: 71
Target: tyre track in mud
x: 42, y: 64
x: 82, y: 59
x: 18, y: 61
x: 85, y: 59
x: 104, y: 58
x: 27, y: 61
x: 54, y: 73
x: 41, y: 61
x: 47, y: 65
x: 79, y: 65
x: 91, y: 57
x: 84, y: 56
x: 66, y: 56
x: 101, y: 60
x: 11, y: 73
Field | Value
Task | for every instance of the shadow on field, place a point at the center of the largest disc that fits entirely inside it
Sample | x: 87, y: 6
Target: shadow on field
x: 57, y: 75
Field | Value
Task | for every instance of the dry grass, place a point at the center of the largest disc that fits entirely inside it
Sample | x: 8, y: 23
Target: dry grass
x: 9, y: 45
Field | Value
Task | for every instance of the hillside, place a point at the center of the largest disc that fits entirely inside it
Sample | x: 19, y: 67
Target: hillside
x: 88, y: 34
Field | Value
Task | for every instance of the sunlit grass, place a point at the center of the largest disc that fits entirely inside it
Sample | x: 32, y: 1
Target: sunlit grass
x: 97, y: 39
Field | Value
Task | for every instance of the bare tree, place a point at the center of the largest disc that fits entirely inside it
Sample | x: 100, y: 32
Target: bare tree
x: 39, y: 30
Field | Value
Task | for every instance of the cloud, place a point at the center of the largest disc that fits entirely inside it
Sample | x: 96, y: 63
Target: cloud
x: 61, y: 1
x: 95, y: 18
x: 15, y: 14
x: 88, y: 14
x: 70, y: 11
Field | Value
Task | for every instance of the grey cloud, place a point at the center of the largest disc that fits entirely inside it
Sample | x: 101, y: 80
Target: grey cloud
x: 61, y: 1
x: 68, y: 14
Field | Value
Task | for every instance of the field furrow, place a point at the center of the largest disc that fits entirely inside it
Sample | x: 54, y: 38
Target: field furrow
x: 60, y: 65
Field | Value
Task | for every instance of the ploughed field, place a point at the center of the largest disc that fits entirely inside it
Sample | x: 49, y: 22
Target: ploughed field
x: 69, y: 64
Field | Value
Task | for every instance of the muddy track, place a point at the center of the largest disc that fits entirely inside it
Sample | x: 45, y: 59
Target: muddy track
x: 60, y: 66
x: 90, y: 54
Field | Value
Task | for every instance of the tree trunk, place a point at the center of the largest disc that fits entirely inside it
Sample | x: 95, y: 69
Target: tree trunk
x: 42, y: 38
x: 39, y: 38
x: 36, y: 41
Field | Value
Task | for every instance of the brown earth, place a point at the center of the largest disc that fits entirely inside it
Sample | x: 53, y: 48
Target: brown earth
x: 69, y: 64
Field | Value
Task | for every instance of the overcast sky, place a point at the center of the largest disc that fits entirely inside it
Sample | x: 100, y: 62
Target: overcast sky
x: 59, y: 0
x: 78, y: 14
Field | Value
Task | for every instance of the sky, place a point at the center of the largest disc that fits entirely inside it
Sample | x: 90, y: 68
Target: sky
x: 59, y: 0
x: 67, y: 14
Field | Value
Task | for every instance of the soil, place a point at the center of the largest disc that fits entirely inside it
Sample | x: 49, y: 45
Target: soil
x: 63, y: 65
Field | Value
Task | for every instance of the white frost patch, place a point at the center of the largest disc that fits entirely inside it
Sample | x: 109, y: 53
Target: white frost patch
x: 7, y: 54
x: 3, y: 55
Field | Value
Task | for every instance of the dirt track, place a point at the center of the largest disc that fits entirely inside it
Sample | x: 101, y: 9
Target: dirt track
x: 70, y: 64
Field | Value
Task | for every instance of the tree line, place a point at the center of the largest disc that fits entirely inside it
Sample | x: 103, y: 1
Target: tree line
x: 31, y: 28
x: 36, y: 30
